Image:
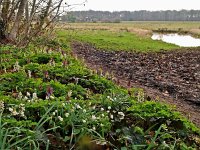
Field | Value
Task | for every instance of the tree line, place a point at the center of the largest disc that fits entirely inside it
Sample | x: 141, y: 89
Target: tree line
x: 143, y: 15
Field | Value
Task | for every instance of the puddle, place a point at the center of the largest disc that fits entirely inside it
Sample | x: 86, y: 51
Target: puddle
x: 180, y: 40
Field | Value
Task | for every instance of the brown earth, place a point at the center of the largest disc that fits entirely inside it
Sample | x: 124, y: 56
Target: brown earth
x: 173, y: 76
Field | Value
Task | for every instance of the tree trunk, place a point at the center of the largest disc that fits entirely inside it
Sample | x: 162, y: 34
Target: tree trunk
x: 2, y: 30
x: 15, y: 28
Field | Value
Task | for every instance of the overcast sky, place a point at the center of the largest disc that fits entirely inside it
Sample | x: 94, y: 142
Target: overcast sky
x: 131, y: 5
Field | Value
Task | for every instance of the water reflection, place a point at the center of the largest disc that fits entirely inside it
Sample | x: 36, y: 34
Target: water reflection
x: 180, y: 40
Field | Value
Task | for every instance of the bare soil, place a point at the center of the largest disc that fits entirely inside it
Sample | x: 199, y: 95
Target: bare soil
x: 173, y: 76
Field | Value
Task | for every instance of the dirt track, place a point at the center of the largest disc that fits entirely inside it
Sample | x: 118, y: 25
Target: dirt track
x: 173, y: 76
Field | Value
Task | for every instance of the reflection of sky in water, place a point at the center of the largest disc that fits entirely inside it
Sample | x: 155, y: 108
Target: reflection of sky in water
x: 181, y: 40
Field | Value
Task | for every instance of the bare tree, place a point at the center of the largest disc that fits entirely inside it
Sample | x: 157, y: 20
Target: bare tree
x: 22, y: 20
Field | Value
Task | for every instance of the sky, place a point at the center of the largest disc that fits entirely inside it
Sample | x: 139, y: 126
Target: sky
x: 132, y: 5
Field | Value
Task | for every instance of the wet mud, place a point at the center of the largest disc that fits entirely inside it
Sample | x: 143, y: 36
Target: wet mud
x: 173, y: 76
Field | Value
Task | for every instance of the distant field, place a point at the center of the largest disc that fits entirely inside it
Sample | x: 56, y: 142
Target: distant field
x: 142, y: 28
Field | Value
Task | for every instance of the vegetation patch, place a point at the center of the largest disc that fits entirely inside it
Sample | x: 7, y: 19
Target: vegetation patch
x: 50, y: 100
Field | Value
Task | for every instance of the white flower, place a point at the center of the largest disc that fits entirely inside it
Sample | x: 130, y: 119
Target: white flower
x: 10, y: 109
x: 102, y: 109
x: 25, y: 98
x: 66, y: 115
x: 20, y: 95
x: 47, y: 97
x: 60, y: 118
x: 94, y: 128
x: 121, y: 115
x: 14, y: 113
x: 90, y: 104
x: 84, y: 110
x: 56, y: 111
x: 111, y: 116
x: 28, y: 94
x: 53, y: 113
x: 84, y: 121
x: 29, y: 101
x: 1, y: 105
x: 29, y: 73
x: 108, y: 111
x: 35, y: 96
x: 5, y: 70
x: 16, y: 66
x: 69, y: 94
x: 109, y: 107
x: 63, y: 104
x: 78, y: 106
x: 101, y: 125
x: 102, y: 115
x: 94, y: 117
x: 94, y: 107
x: 51, y: 97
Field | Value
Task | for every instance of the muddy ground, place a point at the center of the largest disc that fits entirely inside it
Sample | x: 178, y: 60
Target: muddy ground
x: 172, y: 76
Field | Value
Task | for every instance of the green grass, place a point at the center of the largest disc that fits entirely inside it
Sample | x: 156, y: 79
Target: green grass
x: 116, y: 41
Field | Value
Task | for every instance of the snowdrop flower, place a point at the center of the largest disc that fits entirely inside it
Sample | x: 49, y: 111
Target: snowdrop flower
x: 10, y: 109
x: 102, y: 115
x: 111, y: 116
x: 94, y: 117
x: 66, y: 115
x: 93, y: 128
x: 84, y: 110
x: 51, y: 97
x: 56, y: 111
x: 94, y: 107
x: 78, y: 106
x: 47, y: 97
x: 35, y: 96
x: 90, y: 104
x: 25, y: 98
x: 63, y: 104
x: 102, y: 109
x: 69, y: 94
x: 121, y: 115
x: 60, y: 118
x: 14, y: 112
x: 109, y: 107
x: 29, y: 73
x: 84, y: 121
x: 16, y: 66
x: 20, y: 95
x: 108, y: 97
x: 101, y: 142
x: 101, y: 125
x: 5, y: 70
x: 108, y: 111
x: 22, y: 114
x: 28, y: 94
